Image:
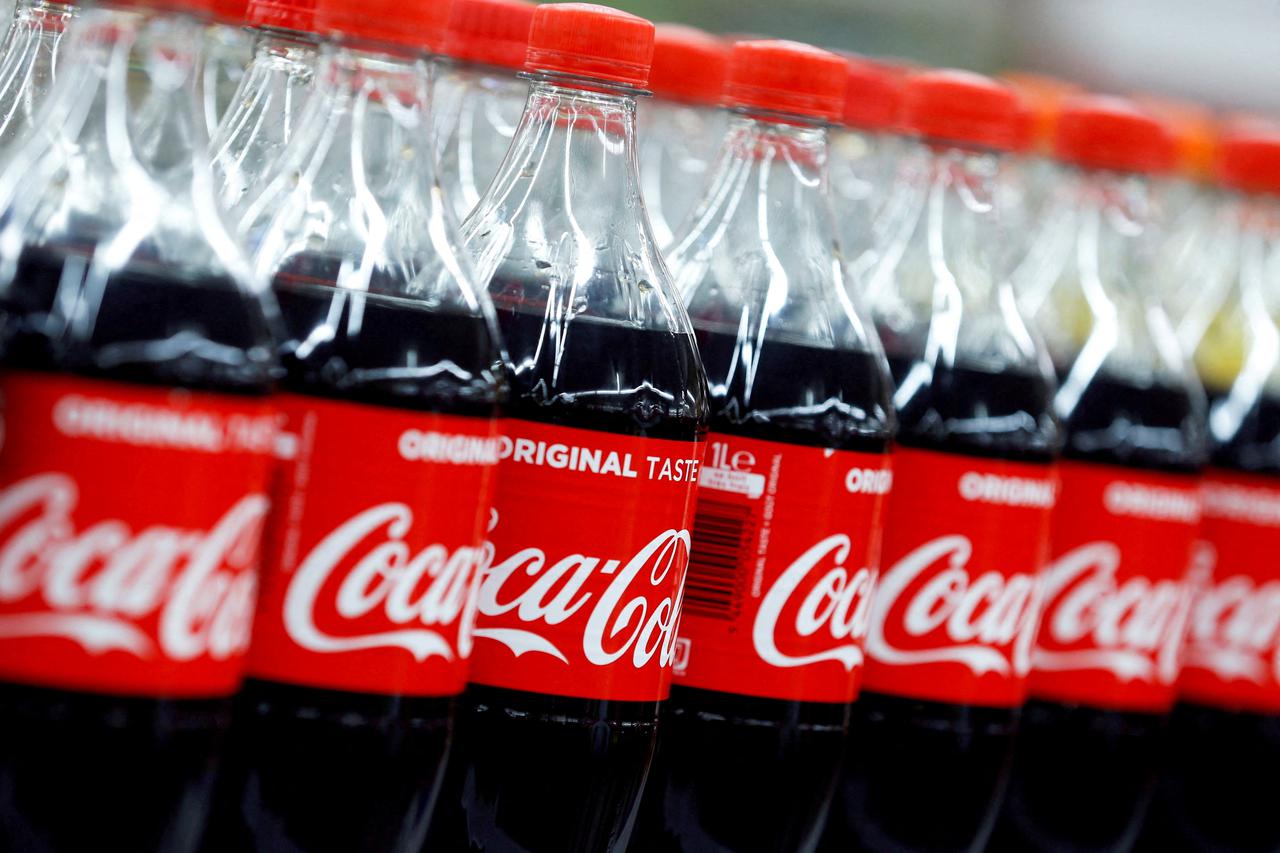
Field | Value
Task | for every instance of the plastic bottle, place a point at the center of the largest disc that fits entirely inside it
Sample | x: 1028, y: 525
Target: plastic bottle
x: 787, y: 533
x: 227, y: 50
x: 392, y: 379
x: 1117, y: 590
x: 575, y: 633
x: 1217, y: 786
x: 135, y: 361
x: 949, y: 644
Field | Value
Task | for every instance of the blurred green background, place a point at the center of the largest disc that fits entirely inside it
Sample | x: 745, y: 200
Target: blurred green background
x: 1223, y: 52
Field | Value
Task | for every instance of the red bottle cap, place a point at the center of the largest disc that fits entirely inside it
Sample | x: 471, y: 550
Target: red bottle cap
x: 414, y: 24
x: 1249, y: 157
x: 960, y: 106
x: 786, y: 77
x: 586, y: 40
x: 296, y: 15
x: 873, y: 94
x: 1194, y: 131
x: 490, y: 32
x: 1041, y: 98
x: 224, y: 11
x: 688, y: 65
x: 1102, y: 132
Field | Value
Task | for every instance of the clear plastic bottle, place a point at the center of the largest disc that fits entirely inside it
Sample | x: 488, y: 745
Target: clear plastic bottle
x: 265, y: 111
x: 480, y: 96
x: 1216, y: 785
x: 29, y: 65
x: 933, y: 728
x: 681, y: 128
x: 864, y: 163
x: 800, y: 401
x: 392, y: 376
x: 1104, y: 669
x: 135, y: 361
x: 604, y: 435
x: 227, y: 50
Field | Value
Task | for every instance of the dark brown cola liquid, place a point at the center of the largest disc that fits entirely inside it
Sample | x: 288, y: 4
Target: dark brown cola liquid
x: 314, y: 769
x: 923, y: 775
x: 538, y: 772
x: 78, y: 770
x: 1082, y: 777
x: 1218, y: 786
x: 745, y: 773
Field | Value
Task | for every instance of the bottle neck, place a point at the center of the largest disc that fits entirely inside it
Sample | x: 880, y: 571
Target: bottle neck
x: 770, y: 177
x: 572, y: 167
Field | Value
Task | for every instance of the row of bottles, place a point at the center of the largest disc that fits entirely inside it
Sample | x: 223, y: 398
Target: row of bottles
x: 384, y: 358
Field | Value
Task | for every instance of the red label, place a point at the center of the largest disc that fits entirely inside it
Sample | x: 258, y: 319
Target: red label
x: 376, y: 549
x: 786, y: 551
x: 130, y: 520
x: 591, y: 543
x: 1117, y: 592
x: 1231, y: 657
x: 964, y: 543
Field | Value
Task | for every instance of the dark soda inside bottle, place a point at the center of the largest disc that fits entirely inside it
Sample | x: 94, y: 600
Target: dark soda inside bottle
x: 314, y: 768
x: 1062, y: 746
x: 949, y: 762
x: 153, y: 759
x: 724, y: 760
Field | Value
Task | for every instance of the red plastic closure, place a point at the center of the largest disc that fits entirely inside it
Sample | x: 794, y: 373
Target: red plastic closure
x: 873, y: 94
x: 296, y: 15
x: 960, y: 106
x: 1249, y: 157
x: 586, y: 40
x: 417, y: 25
x: 786, y: 77
x: 688, y: 65
x: 1103, y: 132
x: 490, y: 32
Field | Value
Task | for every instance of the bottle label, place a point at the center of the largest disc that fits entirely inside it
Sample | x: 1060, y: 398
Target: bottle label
x: 375, y: 550
x: 591, y: 542
x: 786, y: 552
x: 1117, y: 591
x: 965, y: 540
x: 1232, y: 654
x: 130, y: 521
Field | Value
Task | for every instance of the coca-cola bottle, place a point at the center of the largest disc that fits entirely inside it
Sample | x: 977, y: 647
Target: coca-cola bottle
x: 480, y: 96
x: 392, y: 377
x: 949, y: 644
x: 266, y: 108
x: 227, y: 50
x: 786, y: 533
x: 29, y: 64
x: 1218, y: 785
x: 576, y: 626
x: 864, y: 162
x: 1116, y: 590
x: 680, y: 129
x: 135, y: 361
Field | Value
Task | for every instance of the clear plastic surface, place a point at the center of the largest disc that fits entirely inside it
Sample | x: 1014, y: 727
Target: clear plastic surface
x: 478, y: 109
x: 29, y: 65
x: 264, y: 114
x: 677, y: 144
x: 863, y: 167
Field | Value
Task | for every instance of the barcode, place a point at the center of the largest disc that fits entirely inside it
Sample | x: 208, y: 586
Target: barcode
x: 722, y: 533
